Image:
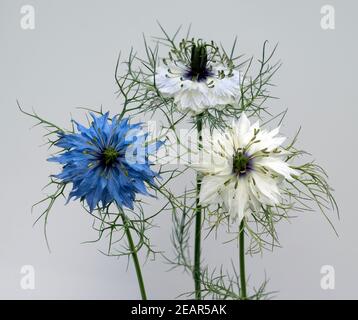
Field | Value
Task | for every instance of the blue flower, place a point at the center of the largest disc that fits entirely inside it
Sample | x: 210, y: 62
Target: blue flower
x: 107, y: 162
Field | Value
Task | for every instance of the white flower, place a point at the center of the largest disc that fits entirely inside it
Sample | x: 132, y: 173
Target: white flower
x: 198, y: 84
x: 243, y: 168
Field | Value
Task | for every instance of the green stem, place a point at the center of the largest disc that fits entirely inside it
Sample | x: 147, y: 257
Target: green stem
x: 198, y: 221
x: 242, y: 260
x: 135, y: 257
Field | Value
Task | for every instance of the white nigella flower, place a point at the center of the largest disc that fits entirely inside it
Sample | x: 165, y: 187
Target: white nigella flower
x: 200, y: 81
x: 243, y: 168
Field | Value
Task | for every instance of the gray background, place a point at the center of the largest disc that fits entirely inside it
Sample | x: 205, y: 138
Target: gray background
x: 68, y: 61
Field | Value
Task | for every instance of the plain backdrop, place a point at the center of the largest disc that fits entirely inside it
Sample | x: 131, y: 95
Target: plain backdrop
x: 68, y: 61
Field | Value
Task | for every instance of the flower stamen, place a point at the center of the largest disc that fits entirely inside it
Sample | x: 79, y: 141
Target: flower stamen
x: 109, y: 156
x: 198, y: 69
x: 241, y: 163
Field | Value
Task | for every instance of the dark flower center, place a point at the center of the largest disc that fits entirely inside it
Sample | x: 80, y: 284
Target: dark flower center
x: 241, y: 163
x: 198, y: 69
x: 109, y: 156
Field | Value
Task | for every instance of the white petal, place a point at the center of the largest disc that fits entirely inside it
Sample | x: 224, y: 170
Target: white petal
x: 267, y: 186
x: 242, y: 197
x: 192, y: 96
x: 228, y: 195
x: 243, y: 124
x: 167, y: 84
x: 210, y: 189
x: 240, y: 132
x: 225, y: 90
x: 277, y: 165
x: 215, y: 156
x: 266, y: 141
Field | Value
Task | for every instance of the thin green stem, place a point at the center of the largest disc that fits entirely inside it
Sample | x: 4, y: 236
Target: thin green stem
x: 243, y: 293
x: 135, y: 257
x: 198, y: 221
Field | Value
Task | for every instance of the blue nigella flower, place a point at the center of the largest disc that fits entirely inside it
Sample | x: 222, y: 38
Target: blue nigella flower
x: 107, y: 162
